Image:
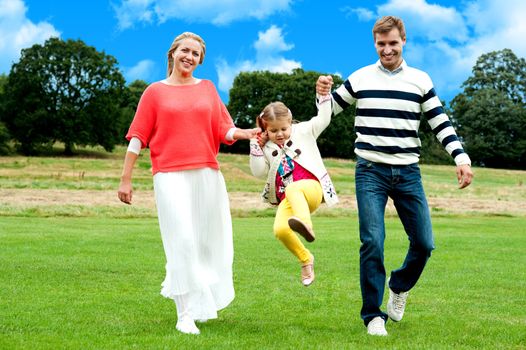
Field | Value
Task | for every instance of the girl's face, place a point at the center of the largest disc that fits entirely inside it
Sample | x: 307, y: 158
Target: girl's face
x: 279, y: 130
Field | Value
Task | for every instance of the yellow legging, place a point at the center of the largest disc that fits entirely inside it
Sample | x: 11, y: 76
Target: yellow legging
x: 301, y: 198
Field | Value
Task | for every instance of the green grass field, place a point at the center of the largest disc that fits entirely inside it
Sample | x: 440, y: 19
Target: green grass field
x: 93, y: 283
x: 88, y: 276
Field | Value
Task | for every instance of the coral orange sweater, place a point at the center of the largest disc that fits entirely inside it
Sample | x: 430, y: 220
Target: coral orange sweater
x: 182, y: 125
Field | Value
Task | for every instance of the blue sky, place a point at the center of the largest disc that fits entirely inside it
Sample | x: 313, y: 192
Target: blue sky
x: 444, y: 38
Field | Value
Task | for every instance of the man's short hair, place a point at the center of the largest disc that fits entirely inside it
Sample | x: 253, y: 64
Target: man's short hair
x: 386, y: 24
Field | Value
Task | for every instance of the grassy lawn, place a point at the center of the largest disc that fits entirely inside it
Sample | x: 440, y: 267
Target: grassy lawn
x: 93, y: 283
x: 87, y: 276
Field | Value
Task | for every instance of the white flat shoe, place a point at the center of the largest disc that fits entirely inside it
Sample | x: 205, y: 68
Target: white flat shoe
x: 307, y: 272
x: 187, y: 325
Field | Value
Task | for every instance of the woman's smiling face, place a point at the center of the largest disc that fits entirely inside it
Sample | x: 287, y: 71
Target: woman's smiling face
x: 186, y: 56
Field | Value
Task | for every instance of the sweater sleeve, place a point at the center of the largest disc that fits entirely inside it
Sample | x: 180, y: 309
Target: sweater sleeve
x: 144, y: 120
x: 442, y: 127
x: 344, y: 96
x: 134, y: 146
x: 226, y: 125
x: 225, y: 122
x: 322, y: 120
x: 258, y: 163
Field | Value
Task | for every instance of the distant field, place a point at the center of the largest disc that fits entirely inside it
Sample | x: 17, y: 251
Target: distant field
x: 86, y: 186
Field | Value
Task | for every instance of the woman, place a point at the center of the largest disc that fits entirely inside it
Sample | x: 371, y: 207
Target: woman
x: 183, y: 121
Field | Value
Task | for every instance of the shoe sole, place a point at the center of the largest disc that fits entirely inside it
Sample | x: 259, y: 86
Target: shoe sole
x: 298, y: 226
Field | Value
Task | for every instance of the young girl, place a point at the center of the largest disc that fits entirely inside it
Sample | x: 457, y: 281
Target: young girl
x: 297, y: 180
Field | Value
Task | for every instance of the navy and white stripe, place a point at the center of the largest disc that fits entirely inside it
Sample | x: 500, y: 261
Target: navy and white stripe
x: 388, y: 110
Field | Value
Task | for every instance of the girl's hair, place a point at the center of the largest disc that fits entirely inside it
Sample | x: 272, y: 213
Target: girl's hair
x: 177, y: 42
x: 386, y: 24
x: 271, y: 112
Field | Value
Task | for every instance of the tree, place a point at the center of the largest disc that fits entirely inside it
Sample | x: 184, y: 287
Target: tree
x: 64, y: 91
x: 252, y: 91
x: 490, y: 113
x: 4, y: 133
x: 500, y: 71
x: 3, y: 83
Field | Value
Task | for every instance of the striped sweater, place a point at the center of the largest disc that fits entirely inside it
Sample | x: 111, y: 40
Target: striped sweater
x: 388, y: 110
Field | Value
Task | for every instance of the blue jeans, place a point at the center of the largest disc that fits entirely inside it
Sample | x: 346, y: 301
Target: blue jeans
x: 376, y: 182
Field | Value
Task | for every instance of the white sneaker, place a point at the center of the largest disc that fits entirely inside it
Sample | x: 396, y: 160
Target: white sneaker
x: 376, y: 327
x: 187, y: 325
x: 396, y: 304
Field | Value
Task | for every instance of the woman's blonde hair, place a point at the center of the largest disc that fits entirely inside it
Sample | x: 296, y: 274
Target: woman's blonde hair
x: 272, y: 112
x: 177, y: 42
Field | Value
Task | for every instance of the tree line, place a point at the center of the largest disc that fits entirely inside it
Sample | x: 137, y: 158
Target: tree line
x: 67, y: 91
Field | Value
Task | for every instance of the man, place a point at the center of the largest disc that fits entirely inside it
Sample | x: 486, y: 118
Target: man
x: 390, y: 97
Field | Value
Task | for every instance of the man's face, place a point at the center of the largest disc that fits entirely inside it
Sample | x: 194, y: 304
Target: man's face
x: 389, y: 47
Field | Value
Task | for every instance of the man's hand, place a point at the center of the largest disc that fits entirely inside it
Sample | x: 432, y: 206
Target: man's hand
x: 324, y: 84
x: 464, y: 176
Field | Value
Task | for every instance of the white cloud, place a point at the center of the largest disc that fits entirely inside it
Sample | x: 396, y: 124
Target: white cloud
x: 131, y: 11
x: 427, y: 21
x: 269, y: 46
x: 144, y: 70
x: 271, y: 41
x: 447, y: 41
x: 18, y: 32
x: 218, y: 12
x: 362, y: 13
x: 497, y: 25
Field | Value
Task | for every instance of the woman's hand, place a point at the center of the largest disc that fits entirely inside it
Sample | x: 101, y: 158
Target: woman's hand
x: 246, y: 134
x: 262, y: 138
x: 125, y: 191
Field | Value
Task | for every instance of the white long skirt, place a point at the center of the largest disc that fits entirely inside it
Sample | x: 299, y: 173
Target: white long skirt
x: 196, y: 229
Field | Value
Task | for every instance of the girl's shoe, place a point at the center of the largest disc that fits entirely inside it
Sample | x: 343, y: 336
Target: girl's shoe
x: 302, y: 228
x: 307, y: 272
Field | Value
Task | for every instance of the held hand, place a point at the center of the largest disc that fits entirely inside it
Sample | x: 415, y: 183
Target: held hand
x: 125, y: 192
x: 324, y: 84
x: 246, y: 134
x: 464, y: 176
x: 262, y: 138
x: 254, y: 133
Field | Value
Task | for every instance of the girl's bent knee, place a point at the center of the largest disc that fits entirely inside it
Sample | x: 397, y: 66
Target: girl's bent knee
x: 281, y: 231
